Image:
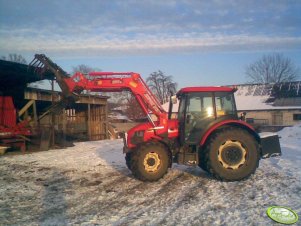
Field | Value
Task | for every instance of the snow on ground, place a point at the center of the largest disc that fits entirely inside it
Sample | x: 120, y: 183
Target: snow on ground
x: 89, y: 184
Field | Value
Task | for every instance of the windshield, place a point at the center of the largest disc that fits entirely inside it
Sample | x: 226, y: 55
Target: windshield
x: 200, y: 105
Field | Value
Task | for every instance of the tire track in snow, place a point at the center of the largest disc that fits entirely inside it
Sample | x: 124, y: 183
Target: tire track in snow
x: 122, y: 199
x: 187, y: 195
x: 114, y: 203
x: 194, y: 193
x: 170, y: 189
x: 91, y: 193
x: 188, y: 210
x: 125, y: 197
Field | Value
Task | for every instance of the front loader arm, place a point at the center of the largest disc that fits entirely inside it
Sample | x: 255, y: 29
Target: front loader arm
x: 106, y: 82
x: 122, y: 81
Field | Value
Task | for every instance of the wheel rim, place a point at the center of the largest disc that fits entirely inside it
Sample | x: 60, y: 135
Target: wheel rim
x: 151, y: 162
x: 232, y: 154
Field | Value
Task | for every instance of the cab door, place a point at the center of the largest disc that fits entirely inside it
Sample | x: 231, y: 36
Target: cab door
x: 196, y: 112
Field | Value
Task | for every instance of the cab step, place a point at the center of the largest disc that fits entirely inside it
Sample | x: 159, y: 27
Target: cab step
x: 188, y: 158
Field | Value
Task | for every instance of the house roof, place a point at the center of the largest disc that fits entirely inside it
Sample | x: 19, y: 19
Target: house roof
x: 268, y: 96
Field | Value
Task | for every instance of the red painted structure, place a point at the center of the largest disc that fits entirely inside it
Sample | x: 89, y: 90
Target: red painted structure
x: 11, y: 132
x: 206, y: 89
x: 7, y: 112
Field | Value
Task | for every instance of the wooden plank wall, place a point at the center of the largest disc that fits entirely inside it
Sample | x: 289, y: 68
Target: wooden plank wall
x: 97, y: 122
x: 90, y: 123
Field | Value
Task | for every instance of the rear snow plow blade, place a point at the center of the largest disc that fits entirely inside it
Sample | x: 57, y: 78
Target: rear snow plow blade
x: 270, y: 145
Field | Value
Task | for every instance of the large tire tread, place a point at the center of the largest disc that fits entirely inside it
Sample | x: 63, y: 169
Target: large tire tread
x: 137, y: 158
x: 210, y: 146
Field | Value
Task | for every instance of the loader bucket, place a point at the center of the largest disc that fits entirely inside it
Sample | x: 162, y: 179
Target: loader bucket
x: 42, y: 64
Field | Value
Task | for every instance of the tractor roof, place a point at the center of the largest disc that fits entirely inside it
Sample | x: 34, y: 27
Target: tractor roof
x: 206, y: 89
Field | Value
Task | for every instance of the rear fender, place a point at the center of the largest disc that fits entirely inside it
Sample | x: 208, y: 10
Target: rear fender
x: 234, y: 123
x: 269, y: 144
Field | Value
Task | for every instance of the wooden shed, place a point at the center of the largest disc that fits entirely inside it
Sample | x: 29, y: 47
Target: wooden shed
x: 50, y: 122
x: 81, y: 121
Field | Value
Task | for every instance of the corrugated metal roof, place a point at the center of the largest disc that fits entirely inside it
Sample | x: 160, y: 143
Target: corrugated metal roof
x: 268, y: 96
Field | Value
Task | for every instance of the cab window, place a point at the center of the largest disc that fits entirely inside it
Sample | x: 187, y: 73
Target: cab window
x: 225, y: 104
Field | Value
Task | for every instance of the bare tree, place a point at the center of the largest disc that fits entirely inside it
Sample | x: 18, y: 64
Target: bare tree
x: 161, y: 85
x: 273, y: 68
x: 126, y: 99
x: 83, y: 68
x: 133, y: 110
x: 13, y: 57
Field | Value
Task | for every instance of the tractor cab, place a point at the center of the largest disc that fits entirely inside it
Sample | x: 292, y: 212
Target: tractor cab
x: 202, y: 107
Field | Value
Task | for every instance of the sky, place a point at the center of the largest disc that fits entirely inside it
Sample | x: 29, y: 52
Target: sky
x: 199, y: 43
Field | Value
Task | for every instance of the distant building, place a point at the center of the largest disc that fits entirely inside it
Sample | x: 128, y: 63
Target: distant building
x: 117, y: 114
x: 270, y: 104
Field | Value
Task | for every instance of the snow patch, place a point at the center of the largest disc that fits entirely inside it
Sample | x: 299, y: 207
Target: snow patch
x: 90, y: 184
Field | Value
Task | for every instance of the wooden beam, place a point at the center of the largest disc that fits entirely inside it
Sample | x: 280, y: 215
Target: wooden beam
x: 89, y: 121
x: 106, y: 122
x: 44, y: 95
x: 25, y: 108
x: 35, y: 115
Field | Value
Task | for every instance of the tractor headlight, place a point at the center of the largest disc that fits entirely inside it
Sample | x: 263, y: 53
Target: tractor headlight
x: 139, y: 133
x: 137, y: 137
x: 6, y: 133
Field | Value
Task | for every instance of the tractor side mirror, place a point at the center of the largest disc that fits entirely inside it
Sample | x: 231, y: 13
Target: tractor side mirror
x: 174, y: 99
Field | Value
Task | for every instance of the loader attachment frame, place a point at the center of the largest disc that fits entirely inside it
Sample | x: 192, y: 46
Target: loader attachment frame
x: 41, y: 63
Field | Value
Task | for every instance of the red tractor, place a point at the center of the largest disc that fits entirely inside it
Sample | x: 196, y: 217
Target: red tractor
x: 207, y: 131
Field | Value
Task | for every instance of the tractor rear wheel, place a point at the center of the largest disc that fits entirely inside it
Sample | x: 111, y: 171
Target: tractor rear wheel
x: 150, y: 161
x: 232, y: 154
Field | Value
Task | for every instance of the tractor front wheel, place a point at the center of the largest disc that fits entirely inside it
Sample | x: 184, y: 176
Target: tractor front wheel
x: 202, y: 160
x: 232, y: 154
x: 150, y: 162
x: 128, y: 158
